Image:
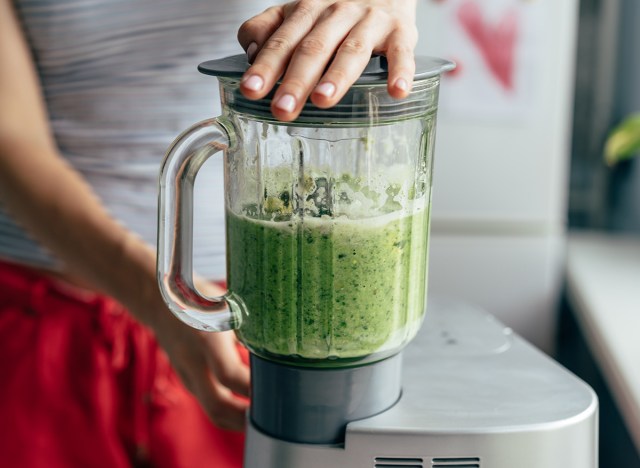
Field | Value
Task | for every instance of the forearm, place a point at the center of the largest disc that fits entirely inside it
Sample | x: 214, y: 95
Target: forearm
x: 50, y: 199
x: 55, y: 205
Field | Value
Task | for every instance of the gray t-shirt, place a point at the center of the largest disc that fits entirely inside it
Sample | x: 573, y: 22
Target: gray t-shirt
x: 120, y: 82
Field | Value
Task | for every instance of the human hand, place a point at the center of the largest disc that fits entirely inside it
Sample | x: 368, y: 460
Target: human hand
x: 209, y: 365
x: 298, y: 40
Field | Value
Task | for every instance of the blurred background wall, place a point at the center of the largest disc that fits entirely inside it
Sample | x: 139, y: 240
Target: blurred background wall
x: 502, y: 155
x: 519, y: 164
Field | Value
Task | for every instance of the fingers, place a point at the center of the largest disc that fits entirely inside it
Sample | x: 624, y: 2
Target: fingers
x: 273, y: 57
x: 189, y: 352
x: 226, y: 362
x: 254, y: 32
x: 309, y: 62
x: 402, y: 64
x: 229, y: 375
x: 351, y: 58
x: 298, y: 41
x: 223, y: 408
x: 226, y: 410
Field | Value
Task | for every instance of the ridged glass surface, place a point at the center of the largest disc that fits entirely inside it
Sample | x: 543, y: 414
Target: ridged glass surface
x: 327, y: 232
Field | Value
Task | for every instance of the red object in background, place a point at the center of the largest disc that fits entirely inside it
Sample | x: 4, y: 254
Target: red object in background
x: 84, y: 385
x: 495, y: 43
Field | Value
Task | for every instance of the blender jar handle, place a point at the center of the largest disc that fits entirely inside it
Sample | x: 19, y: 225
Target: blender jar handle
x: 185, y: 157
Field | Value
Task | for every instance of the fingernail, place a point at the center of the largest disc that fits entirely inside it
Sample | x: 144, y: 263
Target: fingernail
x: 253, y: 82
x: 251, y: 51
x: 402, y: 84
x: 286, y: 102
x: 327, y: 89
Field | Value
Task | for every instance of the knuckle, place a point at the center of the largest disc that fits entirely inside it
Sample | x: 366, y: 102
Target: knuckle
x: 377, y: 15
x: 306, y: 6
x: 247, y: 26
x: 277, y: 44
x: 345, y: 9
x: 411, y: 34
x: 353, y: 46
x: 305, y: 10
x: 274, y: 10
x: 403, y: 31
x: 311, y: 46
x: 400, y: 49
x: 337, y: 75
x: 226, y: 377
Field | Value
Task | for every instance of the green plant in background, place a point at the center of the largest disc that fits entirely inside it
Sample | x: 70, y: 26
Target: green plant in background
x: 624, y: 141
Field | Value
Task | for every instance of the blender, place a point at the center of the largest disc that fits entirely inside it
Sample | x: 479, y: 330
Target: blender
x: 327, y: 225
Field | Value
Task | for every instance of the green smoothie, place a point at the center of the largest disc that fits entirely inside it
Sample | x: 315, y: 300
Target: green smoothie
x: 318, y: 288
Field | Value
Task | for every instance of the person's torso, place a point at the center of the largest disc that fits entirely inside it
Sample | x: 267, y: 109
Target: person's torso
x: 120, y: 82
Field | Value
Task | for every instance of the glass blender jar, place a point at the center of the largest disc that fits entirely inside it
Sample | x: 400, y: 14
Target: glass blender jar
x: 327, y: 225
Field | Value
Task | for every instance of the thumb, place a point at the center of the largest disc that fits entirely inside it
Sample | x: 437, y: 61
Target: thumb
x: 255, y: 31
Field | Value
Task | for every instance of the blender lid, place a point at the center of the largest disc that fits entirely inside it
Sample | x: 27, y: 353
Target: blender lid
x: 375, y: 73
x: 366, y: 103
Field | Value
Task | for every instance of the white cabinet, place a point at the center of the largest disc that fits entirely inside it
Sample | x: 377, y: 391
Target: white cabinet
x: 502, y: 151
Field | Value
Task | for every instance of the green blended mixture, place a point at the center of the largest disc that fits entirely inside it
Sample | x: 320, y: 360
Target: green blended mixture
x: 320, y: 288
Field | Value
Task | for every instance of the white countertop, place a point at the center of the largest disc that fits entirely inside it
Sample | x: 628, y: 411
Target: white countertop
x: 603, y: 273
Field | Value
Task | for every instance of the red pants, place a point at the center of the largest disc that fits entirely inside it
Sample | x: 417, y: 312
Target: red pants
x: 84, y: 385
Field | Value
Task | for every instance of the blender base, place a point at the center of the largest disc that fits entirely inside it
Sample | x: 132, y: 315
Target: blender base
x: 475, y: 395
x: 314, y: 406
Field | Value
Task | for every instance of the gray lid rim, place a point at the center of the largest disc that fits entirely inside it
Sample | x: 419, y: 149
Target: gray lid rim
x: 235, y: 66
